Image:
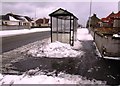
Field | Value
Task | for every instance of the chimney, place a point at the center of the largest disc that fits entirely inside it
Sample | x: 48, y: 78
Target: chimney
x: 94, y: 14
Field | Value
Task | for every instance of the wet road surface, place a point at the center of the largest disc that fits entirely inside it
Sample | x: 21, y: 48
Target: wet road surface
x: 12, y: 42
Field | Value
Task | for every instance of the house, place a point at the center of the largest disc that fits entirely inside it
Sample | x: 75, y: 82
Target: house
x: 107, y: 36
x: 42, y: 22
x: 18, y: 21
x: 112, y: 20
x: 116, y: 21
x: 109, y: 25
x: 108, y: 21
x: 93, y: 21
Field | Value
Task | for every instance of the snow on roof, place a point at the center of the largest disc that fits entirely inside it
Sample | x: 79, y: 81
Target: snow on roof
x: 6, y: 33
x: 111, y: 17
x: 22, y: 17
x: 55, y: 50
x: 13, y: 19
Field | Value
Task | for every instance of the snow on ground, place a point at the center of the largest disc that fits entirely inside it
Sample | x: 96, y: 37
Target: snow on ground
x: 40, y: 77
x: 22, y: 31
x: 61, y: 50
x: 55, y: 50
x: 83, y: 34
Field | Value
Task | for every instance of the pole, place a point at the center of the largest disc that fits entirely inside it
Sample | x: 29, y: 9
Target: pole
x: 51, y: 28
x: 90, y: 14
x: 35, y: 13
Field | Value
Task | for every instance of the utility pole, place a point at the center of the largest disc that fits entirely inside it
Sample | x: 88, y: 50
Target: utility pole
x: 90, y: 14
x: 35, y: 13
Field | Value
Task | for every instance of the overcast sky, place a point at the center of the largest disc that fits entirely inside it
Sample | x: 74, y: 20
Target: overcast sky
x: 43, y: 9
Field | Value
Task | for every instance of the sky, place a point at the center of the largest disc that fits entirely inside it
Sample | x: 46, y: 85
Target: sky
x: 80, y: 9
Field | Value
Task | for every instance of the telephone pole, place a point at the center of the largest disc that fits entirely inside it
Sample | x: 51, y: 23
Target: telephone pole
x: 90, y: 14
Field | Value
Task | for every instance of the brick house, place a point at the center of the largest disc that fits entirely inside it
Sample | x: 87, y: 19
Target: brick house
x: 42, y: 22
x: 94, y: 21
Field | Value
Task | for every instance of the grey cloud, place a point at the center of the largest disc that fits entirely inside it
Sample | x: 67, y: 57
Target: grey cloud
x: 20, y: 8
x: 80, y: 9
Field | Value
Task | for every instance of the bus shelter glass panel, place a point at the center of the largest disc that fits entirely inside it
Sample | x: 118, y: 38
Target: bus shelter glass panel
x: 54, y: 29
x: 60, y: 30
x: 75, y: 29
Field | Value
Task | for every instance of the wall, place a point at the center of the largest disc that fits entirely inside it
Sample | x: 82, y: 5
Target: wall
x: 111, y: 45
x: 13, y: 27
x: 105, y: 25
x: 11, y: 22
x: 116, y: 23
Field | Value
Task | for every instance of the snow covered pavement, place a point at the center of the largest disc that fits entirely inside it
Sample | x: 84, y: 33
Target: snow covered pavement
x: 55, y: 50
x: 83, y: 34
x: 61, y: 50
x: 41, y: 77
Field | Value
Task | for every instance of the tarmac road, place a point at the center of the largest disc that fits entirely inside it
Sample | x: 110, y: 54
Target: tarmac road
x: 12, y: 42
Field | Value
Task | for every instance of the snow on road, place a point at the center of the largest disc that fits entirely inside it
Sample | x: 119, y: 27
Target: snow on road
x: 5, y: 33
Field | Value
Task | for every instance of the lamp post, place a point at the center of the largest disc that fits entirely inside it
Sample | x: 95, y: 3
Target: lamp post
x: 90, y: 14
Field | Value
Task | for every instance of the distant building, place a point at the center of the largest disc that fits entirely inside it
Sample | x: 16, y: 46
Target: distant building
x: 111, y: 21
x: 11, y: 19
x: 108, y: 21
x: 94, y: 21
x: 42, y: 22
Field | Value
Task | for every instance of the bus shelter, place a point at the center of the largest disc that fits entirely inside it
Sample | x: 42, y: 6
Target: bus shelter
x: 63, y: 26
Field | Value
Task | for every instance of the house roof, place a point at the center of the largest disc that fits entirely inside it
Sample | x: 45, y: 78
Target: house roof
x: 28, y: 18
x: 111, y: 17
x: 62, y: 14
x: 40, y: 21
x: 108, y: 18
x: 94, y: 17
x: 4, y: 17
x: 17, y: 17
x: 117, y: 15
x: 104, y: 20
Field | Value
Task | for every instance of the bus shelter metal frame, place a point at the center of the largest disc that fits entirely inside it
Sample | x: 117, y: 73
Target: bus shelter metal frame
x: 66, y: 16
